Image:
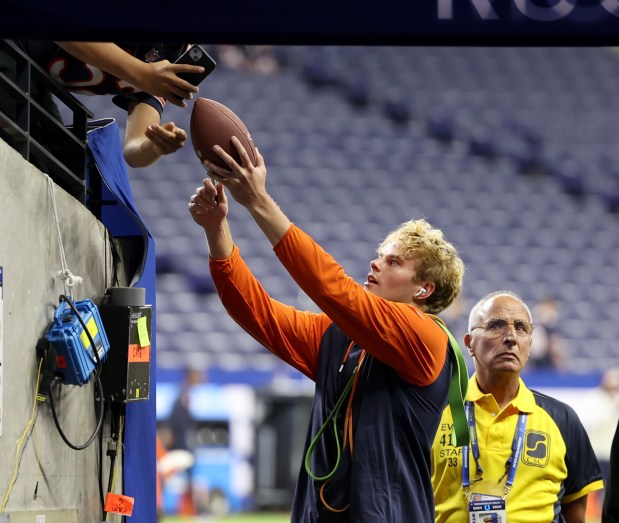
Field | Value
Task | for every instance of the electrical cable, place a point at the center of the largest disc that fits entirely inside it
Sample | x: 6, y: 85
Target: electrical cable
x: 38, y: 455
x: 114, y: 460
x: 115, y: 467
x: 23, y: 439
x: 100, y: 463
x: 99, y: 422
x: 65, y: 274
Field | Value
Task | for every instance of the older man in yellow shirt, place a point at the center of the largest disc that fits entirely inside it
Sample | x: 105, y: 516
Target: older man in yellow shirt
x: 530, y: 459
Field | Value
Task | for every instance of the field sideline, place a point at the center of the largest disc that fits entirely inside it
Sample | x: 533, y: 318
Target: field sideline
x: 259, y: 517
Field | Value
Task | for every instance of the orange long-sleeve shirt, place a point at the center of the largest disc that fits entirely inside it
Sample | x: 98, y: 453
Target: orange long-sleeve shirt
x: 400, y: 335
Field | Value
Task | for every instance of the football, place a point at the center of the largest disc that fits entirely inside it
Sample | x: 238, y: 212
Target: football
x: 212, y: 123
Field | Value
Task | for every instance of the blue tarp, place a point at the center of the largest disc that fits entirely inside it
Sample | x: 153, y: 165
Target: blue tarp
x: 123, y: 219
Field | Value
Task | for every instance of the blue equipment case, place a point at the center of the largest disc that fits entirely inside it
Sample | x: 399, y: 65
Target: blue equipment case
x: 76, y: 360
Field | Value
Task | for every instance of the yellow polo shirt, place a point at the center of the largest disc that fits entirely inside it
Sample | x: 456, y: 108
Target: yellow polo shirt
x: 557, y: 464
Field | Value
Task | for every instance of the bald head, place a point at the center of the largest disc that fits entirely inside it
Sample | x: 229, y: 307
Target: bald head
x: 479, y: 311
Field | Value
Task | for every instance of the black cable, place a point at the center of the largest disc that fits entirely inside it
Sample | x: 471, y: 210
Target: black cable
x: 99, y: 423
x: 47, y: 355
x: 117, y: 417
x: 110, y: 477
x: 100, y: 471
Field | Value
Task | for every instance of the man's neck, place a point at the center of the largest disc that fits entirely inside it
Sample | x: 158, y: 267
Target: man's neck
x: 503, y: 387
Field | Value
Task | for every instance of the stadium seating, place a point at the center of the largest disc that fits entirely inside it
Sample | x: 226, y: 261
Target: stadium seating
x: 510, y: 151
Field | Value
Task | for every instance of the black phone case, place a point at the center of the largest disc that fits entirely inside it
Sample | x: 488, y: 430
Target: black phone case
x: 195, y: 55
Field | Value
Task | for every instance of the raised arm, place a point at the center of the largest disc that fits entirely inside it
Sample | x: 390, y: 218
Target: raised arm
x: 208, y: 207
x: 248, y: 187
x: 292, y: 335
x: 156, y: 78
x: 146, y: 139
x: 398, y: 334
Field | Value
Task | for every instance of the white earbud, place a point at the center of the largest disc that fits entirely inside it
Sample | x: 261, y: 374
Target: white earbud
x: 420, y: 292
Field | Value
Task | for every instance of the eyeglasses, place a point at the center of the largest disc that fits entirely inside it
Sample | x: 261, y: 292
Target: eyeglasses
x: 496, y: 327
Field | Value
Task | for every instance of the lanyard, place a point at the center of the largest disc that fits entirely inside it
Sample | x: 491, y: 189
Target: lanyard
x: 512, y: 462
x: 331, y: 419
x: 458, y: 384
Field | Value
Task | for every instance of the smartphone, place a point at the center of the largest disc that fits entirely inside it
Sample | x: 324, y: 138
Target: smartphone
x: 195, y: 55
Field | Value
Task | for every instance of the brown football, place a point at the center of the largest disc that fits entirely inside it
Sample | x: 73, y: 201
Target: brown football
x: 212, y: 123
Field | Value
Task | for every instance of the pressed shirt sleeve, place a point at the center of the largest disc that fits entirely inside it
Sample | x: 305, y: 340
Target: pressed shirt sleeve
x: 399, y: 334
x: 292, y: 335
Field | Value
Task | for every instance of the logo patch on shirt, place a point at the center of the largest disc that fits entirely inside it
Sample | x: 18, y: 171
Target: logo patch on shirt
x: 536, y: 450
x: 152, y: 56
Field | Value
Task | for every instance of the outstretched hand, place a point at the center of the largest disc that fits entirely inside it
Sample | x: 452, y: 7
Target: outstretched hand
x: 245, y: 181
x: 208, y: 206
x: 166, y: 138
x: 247, y: 185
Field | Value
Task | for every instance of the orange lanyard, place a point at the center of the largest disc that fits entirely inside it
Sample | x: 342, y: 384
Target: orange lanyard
x: 350, y: 387
x: 348, y: 432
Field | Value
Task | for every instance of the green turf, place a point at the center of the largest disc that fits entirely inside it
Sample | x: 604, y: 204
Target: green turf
x: 261, y: 517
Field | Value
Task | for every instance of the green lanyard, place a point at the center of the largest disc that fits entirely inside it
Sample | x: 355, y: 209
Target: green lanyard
x: 458, y: 384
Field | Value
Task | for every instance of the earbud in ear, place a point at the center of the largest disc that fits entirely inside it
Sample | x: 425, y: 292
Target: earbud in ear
x: 420, y: 292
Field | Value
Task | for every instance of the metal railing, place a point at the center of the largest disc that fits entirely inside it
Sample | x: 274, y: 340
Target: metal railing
x: 37, y: 134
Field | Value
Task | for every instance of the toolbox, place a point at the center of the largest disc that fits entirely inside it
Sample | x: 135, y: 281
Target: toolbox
x: 76, y: 360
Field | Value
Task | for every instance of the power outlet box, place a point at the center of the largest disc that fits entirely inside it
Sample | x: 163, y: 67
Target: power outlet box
x: 126, y: 372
